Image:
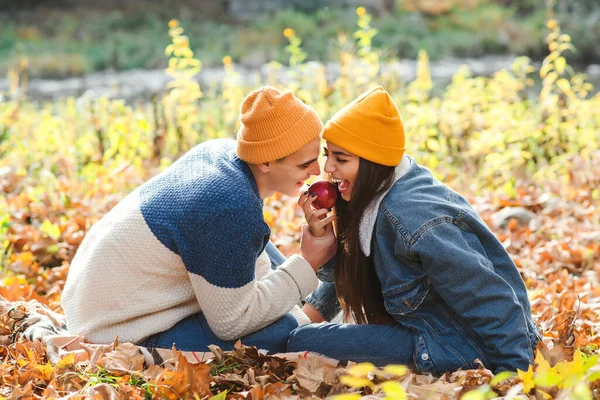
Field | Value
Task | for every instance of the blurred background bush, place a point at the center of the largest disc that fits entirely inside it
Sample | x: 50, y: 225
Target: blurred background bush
x: 62, y: 38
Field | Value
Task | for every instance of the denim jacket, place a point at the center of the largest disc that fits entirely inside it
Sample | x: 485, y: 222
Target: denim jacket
x: 446, y: 277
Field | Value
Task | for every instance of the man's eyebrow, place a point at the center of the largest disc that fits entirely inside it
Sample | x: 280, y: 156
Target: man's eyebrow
x: 308, y: 162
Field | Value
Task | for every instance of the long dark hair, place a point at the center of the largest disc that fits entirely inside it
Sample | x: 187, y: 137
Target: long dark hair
x: 356, y: 282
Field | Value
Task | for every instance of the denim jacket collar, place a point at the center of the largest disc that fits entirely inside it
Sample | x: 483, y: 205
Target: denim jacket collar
x: 367, y: 222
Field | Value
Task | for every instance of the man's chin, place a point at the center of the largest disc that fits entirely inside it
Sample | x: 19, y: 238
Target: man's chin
x: 294, y: 192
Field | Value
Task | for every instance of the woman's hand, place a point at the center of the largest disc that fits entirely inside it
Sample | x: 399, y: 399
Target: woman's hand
x: 317, y: 220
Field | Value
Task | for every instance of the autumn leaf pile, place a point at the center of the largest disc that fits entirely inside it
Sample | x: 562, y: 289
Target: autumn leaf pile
x: 557, y: 252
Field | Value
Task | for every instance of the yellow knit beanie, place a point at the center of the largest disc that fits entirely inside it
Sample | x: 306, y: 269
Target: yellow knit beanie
x: 274, y: 125
x: 369, y: 127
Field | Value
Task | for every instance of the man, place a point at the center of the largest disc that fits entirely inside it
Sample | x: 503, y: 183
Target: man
x: 181, y: 260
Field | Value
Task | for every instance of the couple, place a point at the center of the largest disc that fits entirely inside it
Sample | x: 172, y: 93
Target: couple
x: 185, y: 259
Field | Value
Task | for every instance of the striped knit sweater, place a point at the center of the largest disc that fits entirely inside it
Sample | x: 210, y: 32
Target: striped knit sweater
x: 190, y: 239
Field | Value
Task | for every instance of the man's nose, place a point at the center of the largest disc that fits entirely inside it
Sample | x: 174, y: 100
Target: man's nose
x: 316, y: 169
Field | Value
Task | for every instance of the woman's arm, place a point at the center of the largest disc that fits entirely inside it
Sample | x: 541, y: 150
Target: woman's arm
x: 312, y: 313
x: 322, y: 304
x: 460, y: 272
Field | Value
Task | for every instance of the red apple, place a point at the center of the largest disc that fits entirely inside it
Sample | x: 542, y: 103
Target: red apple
x: 327, y: 194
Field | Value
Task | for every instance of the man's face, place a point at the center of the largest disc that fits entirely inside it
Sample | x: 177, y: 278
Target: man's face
x: 288, y: 175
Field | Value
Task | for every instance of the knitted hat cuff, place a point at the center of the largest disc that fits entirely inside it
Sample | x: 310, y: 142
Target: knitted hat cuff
x: 303, y: 131
x: 357, y: 145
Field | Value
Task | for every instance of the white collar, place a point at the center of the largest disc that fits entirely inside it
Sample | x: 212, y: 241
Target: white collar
x: 367, y: 221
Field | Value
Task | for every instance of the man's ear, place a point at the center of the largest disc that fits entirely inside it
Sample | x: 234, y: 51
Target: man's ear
x: 264, y: 167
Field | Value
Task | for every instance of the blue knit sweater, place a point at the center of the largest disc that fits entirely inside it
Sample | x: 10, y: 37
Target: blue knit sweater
x: 190, y: 239
x: 206, y: 209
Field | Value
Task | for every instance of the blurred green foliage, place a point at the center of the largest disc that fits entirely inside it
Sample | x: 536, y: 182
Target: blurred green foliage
x: 65, y: 44
x: 493, y: 131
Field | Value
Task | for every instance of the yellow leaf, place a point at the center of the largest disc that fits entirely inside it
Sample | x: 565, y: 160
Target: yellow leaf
x: 543, y: 394
x: 500, y: 377
x: 361, y: 370
x: 551, y: 77
x: 564, y: 85
x: 527, y: 379
x: 545, y: 69
x: 560, y: 63
x: 355, y: 382
x: 45, y: 369
x: 548, y: 378
x: 476, y: 394
x: 269, y: 218
x: 565, y: 38
x: 551, y: 57
x: 582, y: 392
x: 397, y: 370
x: 594, y: 377
x: 394, y: 390
x: 433, y: 144
x: 346, y: 396
x: 66, y: 361
x: 545, y: 375
x: 31, y: 355
x: 220, y: 396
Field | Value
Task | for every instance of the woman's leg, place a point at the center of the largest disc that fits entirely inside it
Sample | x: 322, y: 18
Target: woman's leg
x: 194, y: 334
x: 379, y: 344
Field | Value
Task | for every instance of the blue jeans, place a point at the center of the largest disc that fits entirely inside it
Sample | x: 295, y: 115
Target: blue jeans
x: 194, y: 334
x: 379, y: 344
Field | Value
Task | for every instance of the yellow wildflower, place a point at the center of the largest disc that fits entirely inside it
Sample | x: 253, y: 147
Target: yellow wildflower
x: 289, y: 32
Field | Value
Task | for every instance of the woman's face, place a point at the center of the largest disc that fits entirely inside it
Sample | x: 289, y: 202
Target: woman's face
x: 343, y: 168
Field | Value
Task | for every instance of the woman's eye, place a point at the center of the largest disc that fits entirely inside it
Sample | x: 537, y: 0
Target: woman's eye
x: 341, y: 161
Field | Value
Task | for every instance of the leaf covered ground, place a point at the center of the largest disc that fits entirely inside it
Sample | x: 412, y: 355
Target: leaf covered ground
x: 553, y: 236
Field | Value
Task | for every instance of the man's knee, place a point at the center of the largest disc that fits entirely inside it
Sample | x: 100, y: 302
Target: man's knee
x: 288, y: 322
x: 296, y: 340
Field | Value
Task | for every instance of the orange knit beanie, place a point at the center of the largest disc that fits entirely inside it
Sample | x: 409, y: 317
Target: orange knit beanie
x: 274, y: 125
x: 369, y: 127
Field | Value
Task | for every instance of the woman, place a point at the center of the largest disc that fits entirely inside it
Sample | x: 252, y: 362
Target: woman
x: 417, y: 269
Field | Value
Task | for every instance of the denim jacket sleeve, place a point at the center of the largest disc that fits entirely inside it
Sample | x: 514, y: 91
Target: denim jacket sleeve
x: 327, y: 271
x: 324, y: 298
x: 464, y: 277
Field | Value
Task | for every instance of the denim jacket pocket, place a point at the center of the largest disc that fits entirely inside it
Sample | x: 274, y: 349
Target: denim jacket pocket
x: 406, y: 298
x: 422, y: 357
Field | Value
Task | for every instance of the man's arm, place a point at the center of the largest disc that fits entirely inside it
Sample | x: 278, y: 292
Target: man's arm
x: 223, y: 273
